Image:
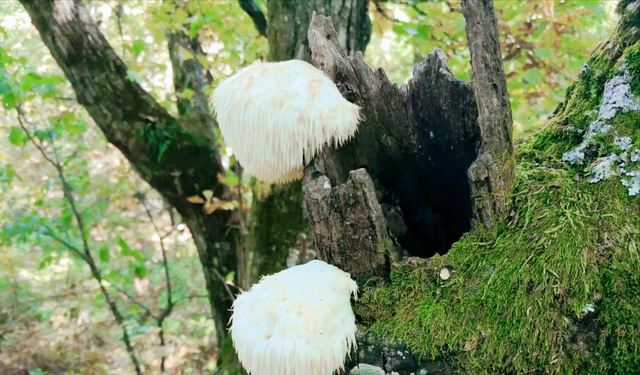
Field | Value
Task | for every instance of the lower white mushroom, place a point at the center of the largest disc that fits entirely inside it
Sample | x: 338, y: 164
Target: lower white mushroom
x: 296, y: 322
x: 277, y: 116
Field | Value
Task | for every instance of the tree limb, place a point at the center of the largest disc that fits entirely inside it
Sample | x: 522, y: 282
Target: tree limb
x: 254, y: 11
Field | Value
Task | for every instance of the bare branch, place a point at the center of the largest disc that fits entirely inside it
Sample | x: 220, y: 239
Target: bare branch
x: 135, y: 301
x: 224, y: 282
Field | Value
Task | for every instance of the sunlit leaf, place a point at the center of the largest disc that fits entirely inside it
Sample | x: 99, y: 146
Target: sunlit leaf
x: 543, y: 52
x: 17, y: 136
x: 138, y: 46
x: 186, y: 54
x: 196, y: 199
x: 187, y: 94
x: 202, y: 59
x: 104, y: 254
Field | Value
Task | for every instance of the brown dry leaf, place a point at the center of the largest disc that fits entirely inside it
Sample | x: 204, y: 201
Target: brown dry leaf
x: 215, y: 204
x: 548, y: 8
x: 208, y: 194
x: 196, y: 200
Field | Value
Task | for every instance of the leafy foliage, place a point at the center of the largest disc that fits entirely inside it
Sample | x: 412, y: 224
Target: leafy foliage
x: 544, y: 44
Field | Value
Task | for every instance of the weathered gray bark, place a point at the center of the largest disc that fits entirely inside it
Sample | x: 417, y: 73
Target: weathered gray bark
x: 176, y: 156
x: 416, y: 142
x: 492, y: 174
x: 439, y: 152
x: 409, y: 180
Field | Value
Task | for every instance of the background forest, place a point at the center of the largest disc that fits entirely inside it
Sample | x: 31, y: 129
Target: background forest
x: 54, y: 318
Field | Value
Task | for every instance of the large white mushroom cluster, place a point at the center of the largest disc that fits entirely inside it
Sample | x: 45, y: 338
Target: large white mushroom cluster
x: 296, y: 322
x: 277, y: 116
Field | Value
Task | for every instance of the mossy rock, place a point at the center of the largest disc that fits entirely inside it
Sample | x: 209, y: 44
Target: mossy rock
x: 553, y: 288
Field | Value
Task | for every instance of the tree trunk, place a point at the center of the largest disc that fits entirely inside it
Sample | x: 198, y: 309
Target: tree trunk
x: 416, y: 143
x: 280, y: 228
x: 177, y: 157
x: 289, y: 24
x: 434, y: 160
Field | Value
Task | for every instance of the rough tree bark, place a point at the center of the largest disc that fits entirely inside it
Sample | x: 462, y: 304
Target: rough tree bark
x: 423, y: 145
x: 289, y: 23
x: 177, y: 157
x: 491, y: 174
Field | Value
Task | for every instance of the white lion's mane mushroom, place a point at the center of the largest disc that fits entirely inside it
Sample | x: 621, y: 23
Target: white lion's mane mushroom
x: 277, y: 116
x: 296, y: 322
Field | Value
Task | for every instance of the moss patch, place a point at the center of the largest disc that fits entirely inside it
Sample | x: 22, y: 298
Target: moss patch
x: 279, y: 220
x: 632, y: 56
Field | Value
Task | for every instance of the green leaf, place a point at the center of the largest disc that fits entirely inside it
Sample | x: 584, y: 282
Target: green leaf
x: 180, y: 17
x: 138, y: 46
x: 533, y: 76
x: 230, y: 180
x: 7, y: 173
x: 186, y: 54
x: 230, y: 276
x: 543, y: 52
x: 4, y: 87
x: 45, y: 262
x: 76, y: 128
x: 104, y: 254
x: 140, y: 271
x: 187, y: 94
x: 202, y: 59
x: 17, y: 136
x: 127, y: 251
x: 42, y: 135
x: 9, y: 100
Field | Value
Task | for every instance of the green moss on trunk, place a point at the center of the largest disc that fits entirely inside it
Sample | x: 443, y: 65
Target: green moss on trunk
x: 553, y: 288
x: 279, y: 219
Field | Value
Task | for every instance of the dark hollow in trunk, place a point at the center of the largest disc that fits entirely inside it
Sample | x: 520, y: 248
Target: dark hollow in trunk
x: 416, y: 142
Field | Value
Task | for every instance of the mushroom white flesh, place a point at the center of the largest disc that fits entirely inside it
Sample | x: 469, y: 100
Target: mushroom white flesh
x: 296, y: 322
x: 277, y: 115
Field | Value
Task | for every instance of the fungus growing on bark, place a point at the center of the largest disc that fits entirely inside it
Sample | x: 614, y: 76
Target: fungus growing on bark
x: 297, y: 321
x: 277, y: 116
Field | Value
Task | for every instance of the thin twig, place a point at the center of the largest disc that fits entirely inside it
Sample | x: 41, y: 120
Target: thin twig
x: 382, y: 12
x: 66, y: 244
x: 160, y: 320
x: 135, y: 301
x: 224, y: 282
x: 194, y: 296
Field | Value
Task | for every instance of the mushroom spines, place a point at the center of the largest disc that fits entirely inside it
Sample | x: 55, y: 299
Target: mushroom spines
x: 275, y: 116
x: 298, y: 321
